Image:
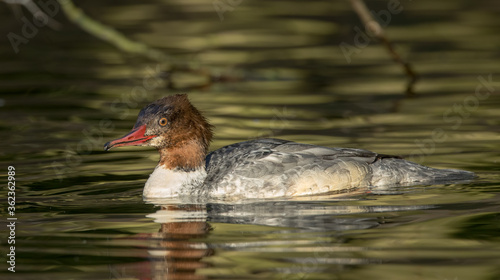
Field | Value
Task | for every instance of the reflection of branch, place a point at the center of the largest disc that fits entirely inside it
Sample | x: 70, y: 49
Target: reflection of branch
x: 377, y: 31
x: 36, y: 12
x: 78, y: 17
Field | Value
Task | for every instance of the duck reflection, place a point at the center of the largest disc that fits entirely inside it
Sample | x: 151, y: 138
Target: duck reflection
x: 174, y: 252
x: 180, y: 249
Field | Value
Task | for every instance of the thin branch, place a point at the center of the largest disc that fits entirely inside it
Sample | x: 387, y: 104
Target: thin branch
x: 378, y: 32
x: 108, y: 34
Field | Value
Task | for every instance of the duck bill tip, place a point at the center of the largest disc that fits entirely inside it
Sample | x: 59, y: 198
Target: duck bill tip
x: 135, y: 137
x: 107, y: 146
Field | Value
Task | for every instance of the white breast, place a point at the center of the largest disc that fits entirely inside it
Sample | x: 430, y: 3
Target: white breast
x: 170, y: 183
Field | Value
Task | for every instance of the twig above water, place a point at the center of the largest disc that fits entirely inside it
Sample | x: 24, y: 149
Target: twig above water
x: 378, y: 32
x: 108, y: 34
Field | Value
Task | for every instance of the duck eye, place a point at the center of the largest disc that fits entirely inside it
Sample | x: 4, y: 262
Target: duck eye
x: 163, y: 121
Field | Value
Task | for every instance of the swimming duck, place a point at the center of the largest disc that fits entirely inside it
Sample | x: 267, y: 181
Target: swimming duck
x: 260, y: 168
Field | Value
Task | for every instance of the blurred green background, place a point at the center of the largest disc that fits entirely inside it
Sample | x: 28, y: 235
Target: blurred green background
x: 258, y: 69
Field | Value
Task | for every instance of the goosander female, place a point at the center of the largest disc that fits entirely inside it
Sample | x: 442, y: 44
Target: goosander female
x: 262, y: 168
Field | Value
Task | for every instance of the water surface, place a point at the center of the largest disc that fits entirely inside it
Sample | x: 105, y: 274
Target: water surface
x: 281, y: 74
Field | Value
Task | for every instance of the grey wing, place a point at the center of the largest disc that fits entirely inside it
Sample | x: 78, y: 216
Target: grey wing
x: 273, y: 168
x: 221, y: 161
x: 267, y: 168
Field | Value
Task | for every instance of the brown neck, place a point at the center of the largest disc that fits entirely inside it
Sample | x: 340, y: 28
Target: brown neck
x: 187, y: 156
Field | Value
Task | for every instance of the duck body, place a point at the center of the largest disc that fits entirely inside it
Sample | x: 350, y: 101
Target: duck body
x: 261, y: 168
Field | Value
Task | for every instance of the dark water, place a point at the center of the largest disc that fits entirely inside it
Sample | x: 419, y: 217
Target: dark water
x: 277, y: 70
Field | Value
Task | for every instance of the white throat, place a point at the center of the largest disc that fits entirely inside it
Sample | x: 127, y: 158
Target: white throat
x: 166, y: 183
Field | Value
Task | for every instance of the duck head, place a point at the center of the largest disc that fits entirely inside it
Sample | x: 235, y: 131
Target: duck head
x: 174, y: 127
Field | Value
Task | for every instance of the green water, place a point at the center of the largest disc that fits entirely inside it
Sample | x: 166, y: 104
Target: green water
x: 79, y: 210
